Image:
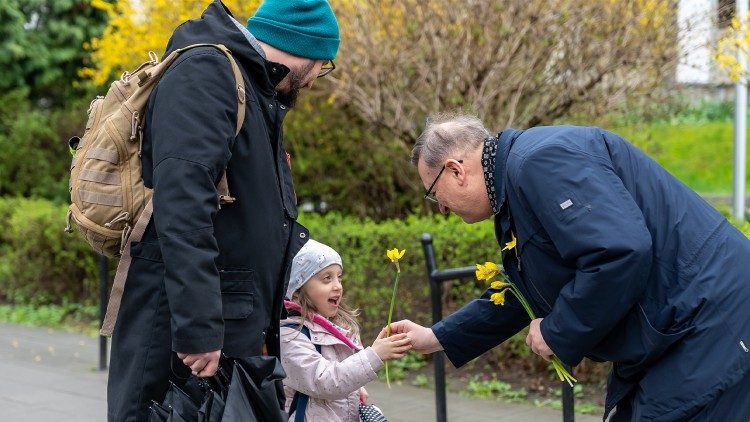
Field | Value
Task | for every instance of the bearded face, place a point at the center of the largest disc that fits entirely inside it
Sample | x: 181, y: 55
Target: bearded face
x: 298, y: 78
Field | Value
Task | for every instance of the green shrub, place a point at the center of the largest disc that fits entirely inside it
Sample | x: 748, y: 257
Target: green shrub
x: 369, y: 275
x: 39, y: 263
x: 354, y: 168
x: 42, y: 265
x: 35, y: 160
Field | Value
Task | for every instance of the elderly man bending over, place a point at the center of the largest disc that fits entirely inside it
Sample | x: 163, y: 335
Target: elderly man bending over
x: 623, y: 262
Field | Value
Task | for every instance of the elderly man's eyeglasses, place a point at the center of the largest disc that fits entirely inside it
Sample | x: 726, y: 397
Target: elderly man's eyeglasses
x: 327, y: 68
x: 430, y: 195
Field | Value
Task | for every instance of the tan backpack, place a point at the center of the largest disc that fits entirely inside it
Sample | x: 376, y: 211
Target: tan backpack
x: 109, y: 203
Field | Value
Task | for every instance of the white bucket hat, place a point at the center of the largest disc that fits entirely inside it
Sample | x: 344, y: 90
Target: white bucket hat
x: 313, y: 257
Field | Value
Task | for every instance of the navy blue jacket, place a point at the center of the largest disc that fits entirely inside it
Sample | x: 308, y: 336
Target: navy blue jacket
x: 624, y: 263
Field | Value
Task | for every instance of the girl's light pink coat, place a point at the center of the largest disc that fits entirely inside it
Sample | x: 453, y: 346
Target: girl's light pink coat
x: 331, y: 378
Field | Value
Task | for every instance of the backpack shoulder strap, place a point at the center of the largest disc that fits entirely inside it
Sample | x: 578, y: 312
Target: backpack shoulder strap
x: 123, y: 267
x: 223, y: 187
x: 299, y: 402
x: 239, y: 80
x: 305, y: 331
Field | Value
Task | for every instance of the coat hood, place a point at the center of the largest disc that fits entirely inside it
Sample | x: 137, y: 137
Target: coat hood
x: 217, y: 25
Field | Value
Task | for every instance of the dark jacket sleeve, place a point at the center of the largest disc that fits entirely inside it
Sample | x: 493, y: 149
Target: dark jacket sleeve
x: 592, y: 221
x: 478, y: 327
x: 193, y: 123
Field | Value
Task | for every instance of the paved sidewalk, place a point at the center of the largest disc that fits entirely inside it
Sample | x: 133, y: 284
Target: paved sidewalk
x: 47, y: 375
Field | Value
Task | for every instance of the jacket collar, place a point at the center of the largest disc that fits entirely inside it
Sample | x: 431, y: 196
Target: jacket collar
x: 216, y: 26
x: 505, y: 141
x: 321, y: 325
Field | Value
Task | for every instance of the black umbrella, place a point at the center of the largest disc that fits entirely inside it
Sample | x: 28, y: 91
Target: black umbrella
x: 252, y: 392
x: 158, y: 413
x: 176, y: 417
x: 237, y: 407
x: 212, y: 408
x: 261, y: 377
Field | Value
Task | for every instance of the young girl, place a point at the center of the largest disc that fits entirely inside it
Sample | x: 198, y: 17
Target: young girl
x: 325, y: 360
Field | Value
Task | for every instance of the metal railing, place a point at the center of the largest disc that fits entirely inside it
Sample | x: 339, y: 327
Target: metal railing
x: 436, y: 278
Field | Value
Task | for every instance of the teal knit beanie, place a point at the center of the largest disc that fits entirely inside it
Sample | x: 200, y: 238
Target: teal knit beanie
x: 305, y: 28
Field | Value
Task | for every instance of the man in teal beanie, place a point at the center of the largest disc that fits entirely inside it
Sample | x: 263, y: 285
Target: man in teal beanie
x: 302, y: 34
x: 206, y: 280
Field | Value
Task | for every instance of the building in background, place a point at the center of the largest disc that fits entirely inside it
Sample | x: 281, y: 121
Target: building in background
x: 701, y: 23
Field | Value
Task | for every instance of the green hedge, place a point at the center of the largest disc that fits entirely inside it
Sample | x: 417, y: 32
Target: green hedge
x: 369, y: 275
x: 41, y: 265
x: 35, y: 161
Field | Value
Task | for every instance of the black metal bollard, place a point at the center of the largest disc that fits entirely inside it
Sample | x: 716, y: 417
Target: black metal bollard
x: 436, y: 297
x: 103, y: 282
x: 436, y: 278
x: 568, y: 401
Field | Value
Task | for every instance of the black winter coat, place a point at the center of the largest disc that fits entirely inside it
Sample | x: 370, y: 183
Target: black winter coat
x: 224, y: 270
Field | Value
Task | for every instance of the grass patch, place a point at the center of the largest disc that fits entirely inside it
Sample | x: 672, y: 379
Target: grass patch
x: 699, y: 154
x: 69, y: 317
x: 580, y: 406
x: 492, y: 388
x: 398, y: 368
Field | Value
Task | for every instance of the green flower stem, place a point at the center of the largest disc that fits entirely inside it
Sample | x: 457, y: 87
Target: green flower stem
x: 562, y: 373
x: 390, y: 317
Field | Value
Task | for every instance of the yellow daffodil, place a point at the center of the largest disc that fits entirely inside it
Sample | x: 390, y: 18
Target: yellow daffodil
x: 394, y: 255
x: 487, y: 271
x: 497, y: 285
x: 498, y: 298
x: 512, y: 244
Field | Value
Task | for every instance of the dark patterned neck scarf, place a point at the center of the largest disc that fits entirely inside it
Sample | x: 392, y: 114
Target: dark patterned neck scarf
x: 489, y: 153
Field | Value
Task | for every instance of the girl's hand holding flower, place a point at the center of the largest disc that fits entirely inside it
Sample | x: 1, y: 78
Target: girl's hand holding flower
x: 393, y: 347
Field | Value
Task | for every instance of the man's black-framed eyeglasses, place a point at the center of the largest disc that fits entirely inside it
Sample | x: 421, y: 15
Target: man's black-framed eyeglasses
x: 430, y: 195
x: 327, y: 68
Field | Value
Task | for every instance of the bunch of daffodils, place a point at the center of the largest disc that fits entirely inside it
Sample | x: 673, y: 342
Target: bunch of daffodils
x: 488, y: 272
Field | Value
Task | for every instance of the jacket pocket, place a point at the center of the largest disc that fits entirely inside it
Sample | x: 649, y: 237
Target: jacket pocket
x: 147, y: 251
x: 654, y: 345
x: 237, y: 293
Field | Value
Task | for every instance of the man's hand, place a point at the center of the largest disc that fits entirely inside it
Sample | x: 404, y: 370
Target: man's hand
x: 202, y: 364
x: 535, y: 340
x: 423, y: 340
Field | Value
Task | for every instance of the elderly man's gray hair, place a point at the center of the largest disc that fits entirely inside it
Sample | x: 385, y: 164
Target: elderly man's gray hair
x: 445, y: 134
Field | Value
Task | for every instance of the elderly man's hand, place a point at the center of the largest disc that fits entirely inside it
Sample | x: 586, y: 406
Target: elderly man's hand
x: 423, y: 340
x: 535, y: 340
x: 202, y: 364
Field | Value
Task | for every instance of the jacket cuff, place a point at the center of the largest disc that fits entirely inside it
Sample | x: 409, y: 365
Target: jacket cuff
x: 375, y: 362
x: 198, y: 345
x: 441, y: 333
x: 562, y: 346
